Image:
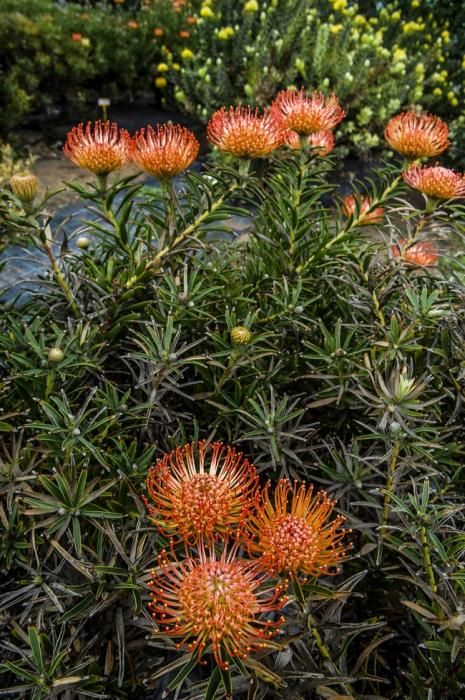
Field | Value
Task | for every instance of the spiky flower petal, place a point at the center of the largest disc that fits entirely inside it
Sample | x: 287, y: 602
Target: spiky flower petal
x: 307, y: 114
x: 291, y: 532
x: 165, y: 151
x: 417, y: 135
x: 322, y: 142
x: 100, y: 147
x: 215, y: 603
x: 243, y: 132
x: 201, y: 490
x: 422, y: 253
x: 436, y: 182
x: 361, y: 207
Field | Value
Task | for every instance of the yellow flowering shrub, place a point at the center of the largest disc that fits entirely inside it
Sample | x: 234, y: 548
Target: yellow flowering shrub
x: 404, y: 56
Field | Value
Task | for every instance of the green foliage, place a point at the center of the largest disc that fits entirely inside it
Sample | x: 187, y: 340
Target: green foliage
x: 352, y: 378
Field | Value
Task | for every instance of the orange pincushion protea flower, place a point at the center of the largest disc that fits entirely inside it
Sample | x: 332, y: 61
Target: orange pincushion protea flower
x: 423, y: 253
x: 322, y: 142
x: 353, y: 206
x: 242, y: 132
x: 215, y: 602
x: 100, y: 147
x: 436, y: 182
x: 201, y: 491
x: 295, y: 536
x: 417, y: 135
x: 307, y: 114
x: 165, y: 151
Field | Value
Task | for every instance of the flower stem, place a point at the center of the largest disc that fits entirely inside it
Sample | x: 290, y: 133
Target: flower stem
x: 61, y: 280
x: 425, y: 549
x: 312, y: 625
x: 389, y: 485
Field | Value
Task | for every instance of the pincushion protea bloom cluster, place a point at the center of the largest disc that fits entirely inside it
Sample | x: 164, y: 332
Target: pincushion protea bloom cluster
x: 291, y: 532
x: 103, y: 147
x: 100, y: 147
x: 201, y: 490
x: 421, y: 253
x: 435, y: 181
x: 165, y: 151
x: 322, y: 142
x: 362, y: 209
x: 243, y: 132
x: 417, y: 135
x: 307, y: 114
x: 238, y: 549
x: 216, y: 600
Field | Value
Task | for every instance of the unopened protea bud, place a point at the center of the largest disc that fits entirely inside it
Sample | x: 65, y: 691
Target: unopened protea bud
x: 83, y: 242
x: 25, y: 187
x: 240, y: 335
x: 55, y: 355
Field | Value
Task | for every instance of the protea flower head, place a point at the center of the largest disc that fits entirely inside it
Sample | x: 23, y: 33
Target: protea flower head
x: 307, y: 114
x: 215, y: 603
x: 100, y: 147
x: 292, y: 533
x: 201, y: 490
x: 361, y: 207
x: 417, y: 135
x: 240, y: 335
x: 322, y: 142
x: 422, y: 253
x: 435, y: 181
x: 165, y: 151
x: 25, y: 186
x: 243, y: 132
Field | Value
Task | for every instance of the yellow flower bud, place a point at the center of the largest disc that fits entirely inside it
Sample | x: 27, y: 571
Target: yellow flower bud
x: 240, y: 335
x: 161, y: 82
x: 163, y: 67
x: 55, y: 355
x: 83, y: 242
x: 25, y: 187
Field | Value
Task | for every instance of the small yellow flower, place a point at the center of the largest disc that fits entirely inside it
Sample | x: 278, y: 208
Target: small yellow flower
x: 161, y: 82
x: 85, y: 42
x: 162, y: 67
x: 359, y: 20
x: 415, y: 3
x: 399, y: 55
x: 225, y: 33
x: 187, y: 53
x: 395, y: 16
x: 335, y: 28
x: 437, y: 91
x: 251, y: 6
x: 206, y: 12
x: 176, y: 66
x: 339, y: 5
